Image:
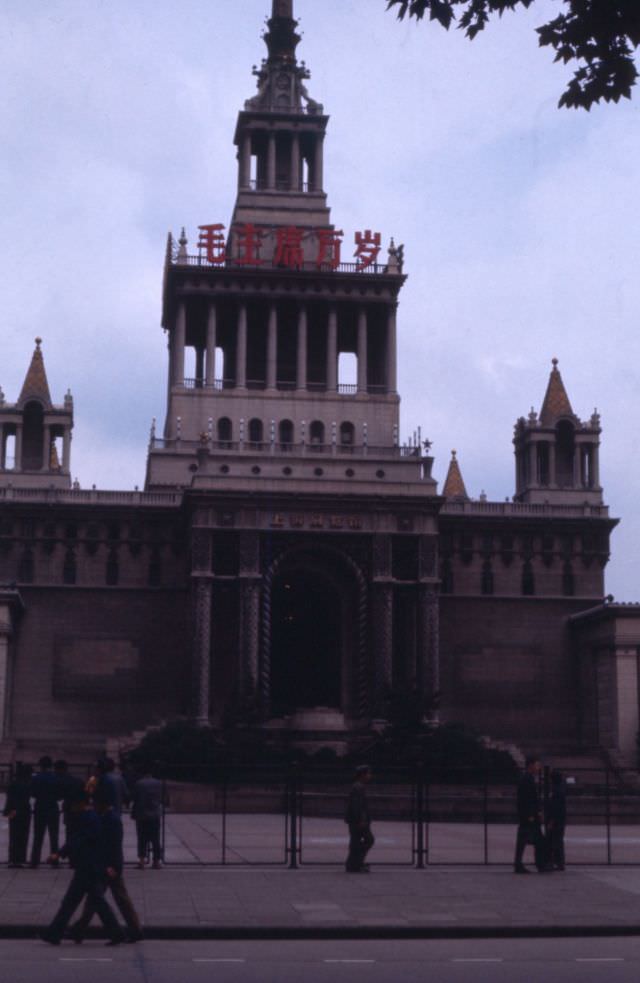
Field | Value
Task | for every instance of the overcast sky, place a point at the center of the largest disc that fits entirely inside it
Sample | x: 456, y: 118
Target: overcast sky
x: 520, y: 220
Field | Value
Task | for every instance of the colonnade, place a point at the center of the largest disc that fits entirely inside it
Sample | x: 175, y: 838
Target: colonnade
x: 205, y: 356
x: 585, y: 465
x: 268, y: 177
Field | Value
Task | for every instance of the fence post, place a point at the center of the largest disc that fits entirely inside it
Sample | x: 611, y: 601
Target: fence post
x: 419, y: 779
x: 293, y: 817
x: 164, y: 818
x: 224, y: 816
x: 485, y: 814
x: 608, y: 815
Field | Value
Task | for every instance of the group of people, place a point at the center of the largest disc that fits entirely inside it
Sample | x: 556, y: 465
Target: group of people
x: 541, y: 828
x: 48, y: 795
x: 93, y: 839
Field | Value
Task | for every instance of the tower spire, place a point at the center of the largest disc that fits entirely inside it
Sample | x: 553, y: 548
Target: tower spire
x: 282, y: 8
x: 454, y: 486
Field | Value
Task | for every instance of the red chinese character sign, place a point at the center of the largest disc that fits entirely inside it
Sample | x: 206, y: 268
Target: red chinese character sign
x: 248, y: 243
x: 212, y: 240
x: 329, y: 244
x: 248, y: 239
x: 367, y: 248
x: 289, y: 249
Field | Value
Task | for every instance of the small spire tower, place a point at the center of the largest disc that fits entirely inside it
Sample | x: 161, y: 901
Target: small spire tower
x: 557, y: 454
x: 35, y: 434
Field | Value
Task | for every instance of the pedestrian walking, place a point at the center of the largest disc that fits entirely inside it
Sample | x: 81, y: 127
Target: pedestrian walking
x: 17, y: 809
x: 87, y: 855
x: 358, y: 819
x: 556, y: 820
x: 529, y: 820
x: 146, y: 810
x: 112, y: 834
x: 46, y: 815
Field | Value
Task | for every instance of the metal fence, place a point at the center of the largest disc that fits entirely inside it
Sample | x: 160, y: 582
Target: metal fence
x: 293, y: 817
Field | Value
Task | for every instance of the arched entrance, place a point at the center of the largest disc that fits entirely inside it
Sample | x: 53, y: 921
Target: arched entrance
x: 314, y: 632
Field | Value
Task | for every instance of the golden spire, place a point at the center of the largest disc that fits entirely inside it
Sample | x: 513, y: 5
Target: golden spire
x: 454, y: 484
x: 35, y: 385
x: 556, y: 402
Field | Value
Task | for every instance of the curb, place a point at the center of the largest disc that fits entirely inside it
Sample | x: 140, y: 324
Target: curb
x: 181, y: 933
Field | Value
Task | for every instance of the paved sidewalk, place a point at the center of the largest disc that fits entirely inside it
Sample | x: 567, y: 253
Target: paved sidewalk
x: 192, y: 902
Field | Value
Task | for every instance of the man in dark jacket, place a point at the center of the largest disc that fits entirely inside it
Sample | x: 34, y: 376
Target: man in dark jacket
x: 359, y: 821
x: 112, y: 834
x: 46, y: 815
x: 87, y: 854
x: 17, y: 809
x: 70, y: 789
x: 529, y: 819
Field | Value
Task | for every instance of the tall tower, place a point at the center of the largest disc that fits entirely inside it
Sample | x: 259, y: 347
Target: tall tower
x: 260, y: 317
x: 557, y: 454
x: 313, y: 530
x: 35, y: 435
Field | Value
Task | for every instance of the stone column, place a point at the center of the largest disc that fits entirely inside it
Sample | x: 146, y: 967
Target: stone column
x: 202, y: 586
x: 5, y: 634
x: 272, y: 347
x: 362, y: 350
x: 553, y: 477
x: 301, y: 371
x: 271, y: 161
x: 241, y: 348
x: 3, y: 447
x: 383, y: 645
x: 202, y: 649
x: 250, y: 592
x: 382, y: 616
x: 66, y: 450
x: 46, y: 448
x: 577, y: 453
x: 595, y: 466
x: 428, y: 662
x: 392, y: 350
x: 245, y: 161
x: 10, y: 602
x: 211, y: 347
x: 332, y: 350
x: 179, y: 339
x: 18, y: 452
x: 318, y: 177
x: 295, y: 162
x: 533, y: 463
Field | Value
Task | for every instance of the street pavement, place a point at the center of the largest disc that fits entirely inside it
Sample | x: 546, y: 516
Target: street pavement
x: 255, y: 896
x: 580, y: 960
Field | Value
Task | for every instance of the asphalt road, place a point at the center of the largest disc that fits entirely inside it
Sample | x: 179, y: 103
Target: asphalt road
x: 494, y: 961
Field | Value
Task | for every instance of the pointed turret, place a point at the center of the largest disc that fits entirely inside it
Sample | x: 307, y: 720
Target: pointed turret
x: 35, y: 434
x: 454, y: 487
x: 556, y: 452
x: 35, y: 385
x: 556, y: 402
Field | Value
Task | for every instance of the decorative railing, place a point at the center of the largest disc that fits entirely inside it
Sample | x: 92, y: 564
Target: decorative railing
x: 523, y: 508
x: 202, y: 262
x: 283, y: 385
x: 91, y: 496
x: 277, y: 446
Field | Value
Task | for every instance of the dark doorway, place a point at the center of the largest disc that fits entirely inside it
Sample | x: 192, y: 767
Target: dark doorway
x: 307, y: 640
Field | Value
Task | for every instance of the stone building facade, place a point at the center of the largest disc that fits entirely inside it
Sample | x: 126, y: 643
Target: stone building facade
x: 289, y: 558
